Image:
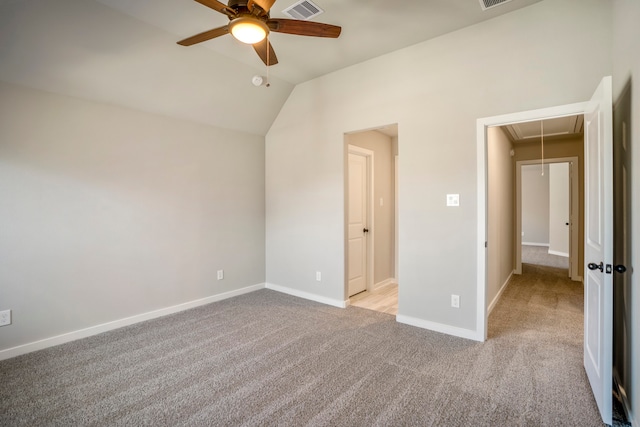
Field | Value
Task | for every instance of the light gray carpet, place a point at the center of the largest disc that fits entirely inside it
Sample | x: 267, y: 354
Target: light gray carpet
x: 271, y: 359
x: 539, y: 255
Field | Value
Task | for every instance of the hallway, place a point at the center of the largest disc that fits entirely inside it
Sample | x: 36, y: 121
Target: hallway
x: 541, y: 314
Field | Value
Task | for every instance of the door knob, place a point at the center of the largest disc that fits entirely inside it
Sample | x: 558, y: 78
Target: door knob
x: 620, y: 268
x: 365, y: 230
x: 594, y: 266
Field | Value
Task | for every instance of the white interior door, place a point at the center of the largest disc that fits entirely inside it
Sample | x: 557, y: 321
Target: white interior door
x: 559, y: 203
x: 598, y: 279
x: 358, y: 221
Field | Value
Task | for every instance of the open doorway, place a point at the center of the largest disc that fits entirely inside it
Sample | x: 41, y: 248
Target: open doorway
x: 370, y: 219
x: 511, y: 149
x: 597, y: 303
x: 548, y: 223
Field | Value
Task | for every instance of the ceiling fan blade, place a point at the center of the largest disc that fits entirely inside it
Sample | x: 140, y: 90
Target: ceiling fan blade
x: 204, y: 36
x: 303, y: 28
x: 263, y: 4
x: 261, y: 50
x: 220, y: 7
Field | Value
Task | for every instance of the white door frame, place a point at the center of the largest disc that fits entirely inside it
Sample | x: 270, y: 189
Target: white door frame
x: 369, y: 155
x: 574, y: 215
x: 481, y: 244
x: 395, y: 225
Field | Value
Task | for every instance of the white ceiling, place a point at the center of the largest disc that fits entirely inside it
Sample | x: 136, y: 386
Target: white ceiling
x: 124, y: 52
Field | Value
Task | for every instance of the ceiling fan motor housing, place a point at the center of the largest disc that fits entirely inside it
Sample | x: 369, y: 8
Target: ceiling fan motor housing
x: 234, y: 4
x: 242, y: 7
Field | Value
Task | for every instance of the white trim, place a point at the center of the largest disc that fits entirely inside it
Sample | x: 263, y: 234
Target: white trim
x: 439, y: 327
x: 558, y: 253
x: 109, y: 326
x: 535, y: 244
x: 387, y: 282
x: 307, y: 295
x: 499, y: 294
x: 481, y: 243
x: 396, y: 214
x: 481, y: 154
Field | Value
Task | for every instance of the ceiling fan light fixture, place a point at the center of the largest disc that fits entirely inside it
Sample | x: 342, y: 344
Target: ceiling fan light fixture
x: 248, y: 30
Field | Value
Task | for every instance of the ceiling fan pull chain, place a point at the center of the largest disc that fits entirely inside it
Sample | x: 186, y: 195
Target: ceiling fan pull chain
x: 268, y: 61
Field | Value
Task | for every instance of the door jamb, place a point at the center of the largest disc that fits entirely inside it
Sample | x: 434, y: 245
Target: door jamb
x: 482, y: 124
x: 574, y: 214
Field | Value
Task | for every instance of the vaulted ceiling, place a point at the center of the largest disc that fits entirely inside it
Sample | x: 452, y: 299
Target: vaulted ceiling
x: 124, y: 52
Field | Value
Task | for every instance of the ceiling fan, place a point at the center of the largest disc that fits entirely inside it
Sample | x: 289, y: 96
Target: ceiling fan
x: 250, y: 23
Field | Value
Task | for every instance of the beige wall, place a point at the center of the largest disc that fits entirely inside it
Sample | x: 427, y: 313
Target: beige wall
x: 559, y: 149
x: 107, y: 213
x: 435, y: 91
x: 384, y: 251
x: 500, y: 212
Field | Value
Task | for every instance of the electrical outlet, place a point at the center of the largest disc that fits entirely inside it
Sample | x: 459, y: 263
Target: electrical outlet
x: 5, y: 317
x: 318, y: 276
x: 220, y: 274
x: 455, y: 301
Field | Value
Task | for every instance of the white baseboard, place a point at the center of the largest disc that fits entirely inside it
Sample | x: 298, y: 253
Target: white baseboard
x: 564, y: 254
x: 499, y: 294
x: 439, y: 327
x: 307, y: 295
x: 105, y: 327
x: 535, y: 244
x: 387, y: 282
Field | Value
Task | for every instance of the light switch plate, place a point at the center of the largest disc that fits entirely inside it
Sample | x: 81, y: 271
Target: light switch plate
x: 453, y: 200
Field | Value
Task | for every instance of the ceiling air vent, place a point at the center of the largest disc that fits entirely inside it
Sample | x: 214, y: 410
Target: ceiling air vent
x: 488, y: 4
x: 304, y: 10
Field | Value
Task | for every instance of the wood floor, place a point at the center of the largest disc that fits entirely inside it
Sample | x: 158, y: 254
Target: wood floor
x: 384, y: 299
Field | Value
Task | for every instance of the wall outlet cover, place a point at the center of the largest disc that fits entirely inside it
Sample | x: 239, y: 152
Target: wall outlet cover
x: 455, y: 301
x: 5, y: 317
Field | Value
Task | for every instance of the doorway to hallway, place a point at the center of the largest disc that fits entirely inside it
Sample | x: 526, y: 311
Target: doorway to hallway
x: 597, y: 348
x: 370, y: 218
